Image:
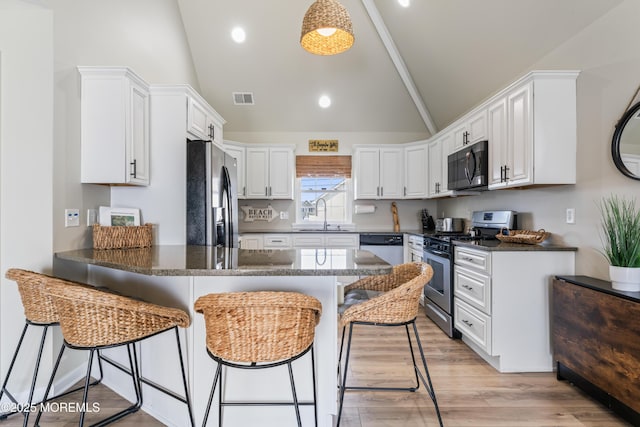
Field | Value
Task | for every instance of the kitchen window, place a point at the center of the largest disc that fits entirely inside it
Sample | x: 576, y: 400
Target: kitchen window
x: 323, y: 189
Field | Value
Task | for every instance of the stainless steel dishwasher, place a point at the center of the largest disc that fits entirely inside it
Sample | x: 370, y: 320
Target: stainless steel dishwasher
x: 388, y: 246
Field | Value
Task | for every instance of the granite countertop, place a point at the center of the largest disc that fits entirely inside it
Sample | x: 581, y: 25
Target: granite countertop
x: 181, y: 260
x: 497, y: 245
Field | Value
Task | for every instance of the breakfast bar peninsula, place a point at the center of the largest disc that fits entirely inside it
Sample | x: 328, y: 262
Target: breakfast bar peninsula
x: 178, y: 275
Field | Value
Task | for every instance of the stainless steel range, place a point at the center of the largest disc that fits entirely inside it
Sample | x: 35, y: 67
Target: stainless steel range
x: 438, y: 252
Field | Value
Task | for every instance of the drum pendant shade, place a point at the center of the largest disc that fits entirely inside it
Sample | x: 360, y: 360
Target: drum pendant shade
x: 331, y: 18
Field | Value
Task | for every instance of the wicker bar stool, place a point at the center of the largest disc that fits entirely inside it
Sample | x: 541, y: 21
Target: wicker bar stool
x: 93, y: 319
x: 39, y: 312
x: 258, y: 330
x: 387, y: 300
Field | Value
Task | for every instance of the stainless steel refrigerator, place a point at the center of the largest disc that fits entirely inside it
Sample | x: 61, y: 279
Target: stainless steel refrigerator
x: 212, y: 196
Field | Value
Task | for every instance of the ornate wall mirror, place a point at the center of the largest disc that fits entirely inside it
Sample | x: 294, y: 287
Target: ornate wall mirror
x: 625, y: 147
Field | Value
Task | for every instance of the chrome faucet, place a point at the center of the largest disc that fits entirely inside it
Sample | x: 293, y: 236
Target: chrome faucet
x: 324, y: 202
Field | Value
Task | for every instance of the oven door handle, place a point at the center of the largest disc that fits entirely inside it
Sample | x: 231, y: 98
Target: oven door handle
x: 436, y: 252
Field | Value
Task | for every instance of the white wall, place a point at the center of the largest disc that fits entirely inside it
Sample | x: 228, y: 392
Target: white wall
x: 26, y: 148
x: 146, y: 35
x: 608, y: 56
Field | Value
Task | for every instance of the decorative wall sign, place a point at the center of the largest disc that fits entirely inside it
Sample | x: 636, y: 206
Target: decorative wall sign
x: 259, y: 214
x: 317, y: 145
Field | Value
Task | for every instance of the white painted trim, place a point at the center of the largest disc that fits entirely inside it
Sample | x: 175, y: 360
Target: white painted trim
x: 399, y: 63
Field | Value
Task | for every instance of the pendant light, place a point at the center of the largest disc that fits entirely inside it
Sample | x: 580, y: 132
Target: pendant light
x: 326, y: 28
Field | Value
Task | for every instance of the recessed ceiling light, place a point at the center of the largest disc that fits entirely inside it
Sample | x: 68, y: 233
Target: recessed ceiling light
x: 404, y: 3
x: 324, y: 101
x: 238, y: 35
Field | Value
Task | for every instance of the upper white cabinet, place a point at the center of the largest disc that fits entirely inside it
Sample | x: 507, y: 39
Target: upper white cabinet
x: 269, y: 172
x: 472, y: 128
x: 438, y: 167
x: 378, y: 172
x: 416, y: 171
x: 532, y: 131
x: 114, y: 126
x: 238, y: 152
x: 202, y: 121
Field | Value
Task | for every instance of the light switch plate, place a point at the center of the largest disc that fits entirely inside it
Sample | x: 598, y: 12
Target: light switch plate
x: 571, y: 216
x: 72, y: 217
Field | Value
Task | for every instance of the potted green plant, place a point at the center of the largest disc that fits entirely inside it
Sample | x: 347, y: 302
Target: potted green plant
x: 621, y: 241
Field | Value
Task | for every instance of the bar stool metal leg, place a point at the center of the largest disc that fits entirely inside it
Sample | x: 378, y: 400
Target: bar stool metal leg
x: 213, y: 390
x: 34, y: 377
x: 295, y: 396
x: 427, y: 382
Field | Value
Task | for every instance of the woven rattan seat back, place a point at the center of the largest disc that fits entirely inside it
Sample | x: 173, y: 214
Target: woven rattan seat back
x: 259, y: 326
x: 38, y: 307
x: 93, y: 318
x: 401, y: 298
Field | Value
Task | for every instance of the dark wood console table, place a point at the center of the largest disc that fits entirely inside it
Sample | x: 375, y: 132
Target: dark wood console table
x: 596, y: 341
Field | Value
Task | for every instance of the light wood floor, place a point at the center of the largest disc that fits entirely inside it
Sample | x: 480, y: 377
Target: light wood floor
x: 470, y: 392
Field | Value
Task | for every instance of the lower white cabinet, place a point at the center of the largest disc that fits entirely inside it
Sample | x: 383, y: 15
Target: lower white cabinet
x: 501, y: 304
x: 251, y: 241
x: 299, y: 240
x: 326, y: 240
x: 415, y: 248
x: 276, y: 241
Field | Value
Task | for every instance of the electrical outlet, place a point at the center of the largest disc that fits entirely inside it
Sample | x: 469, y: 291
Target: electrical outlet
x: 571, y: 216
x: 72, y: 217
x: 284, y: 215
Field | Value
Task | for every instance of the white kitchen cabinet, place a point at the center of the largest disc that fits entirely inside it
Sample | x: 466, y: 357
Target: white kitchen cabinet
x: 347, y: 240
x: 501, y: 304
x: 269, y: 172
x: 114, y: 126
x: 203, y: 122
x: 238, y: 152
x: 276, y: 241
x: 472, y: 128
x: 379, y: 172
x: 326, y: 240
x: 532, y: 131
x: 251, y: 241
x: 438, y: 167
x: 415, y: 248
x: 416, y: 180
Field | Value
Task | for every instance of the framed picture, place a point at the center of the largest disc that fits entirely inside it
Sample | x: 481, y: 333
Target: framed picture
x: 119, y: 216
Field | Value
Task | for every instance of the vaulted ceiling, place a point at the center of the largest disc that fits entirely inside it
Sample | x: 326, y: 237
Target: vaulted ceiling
x: 456, y: 52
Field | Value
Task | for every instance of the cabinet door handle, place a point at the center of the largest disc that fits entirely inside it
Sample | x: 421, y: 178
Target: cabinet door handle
x: 266, y: 191
x: 211, y: 131
x: 244, y: 191
x: 270, y: 191
x: 381, y: 191
x: 466, y: 322
x: 405, y: 191
x: 506, y: 173
x: 465, y: 138
x: 135, y: 168
x: 501, y: 173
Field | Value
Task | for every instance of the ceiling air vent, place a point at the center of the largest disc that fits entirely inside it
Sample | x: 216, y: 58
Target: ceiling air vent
x: 243, y: 98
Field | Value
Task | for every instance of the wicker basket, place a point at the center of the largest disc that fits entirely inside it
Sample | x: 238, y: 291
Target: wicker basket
x: 523, y: 236
x: 121, y: 237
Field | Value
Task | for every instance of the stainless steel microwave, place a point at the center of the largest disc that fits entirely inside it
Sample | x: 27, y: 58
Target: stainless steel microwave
x: 469, y: 167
